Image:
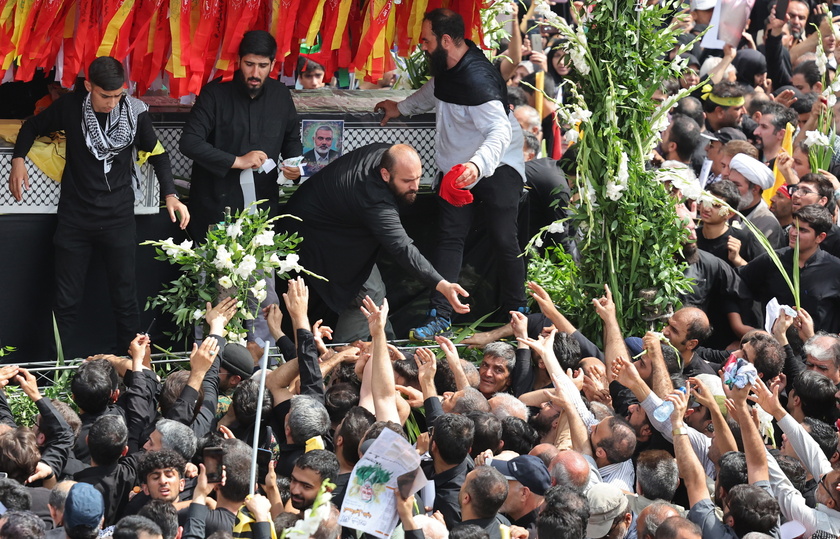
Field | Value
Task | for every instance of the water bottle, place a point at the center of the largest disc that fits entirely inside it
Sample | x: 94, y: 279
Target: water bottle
x: 663, y: 411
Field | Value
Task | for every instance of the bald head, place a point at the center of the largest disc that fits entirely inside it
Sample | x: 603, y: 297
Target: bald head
x: 545, y: 452
x: 401, y: 169
x: 569, y: 469
x: 652, y: 517
x: 399, y: 155
x: 688, y: 328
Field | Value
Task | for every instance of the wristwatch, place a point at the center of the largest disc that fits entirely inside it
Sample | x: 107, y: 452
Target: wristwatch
x: 679, y: 430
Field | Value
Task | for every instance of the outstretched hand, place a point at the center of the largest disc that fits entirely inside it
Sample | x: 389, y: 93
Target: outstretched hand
x: 604, y: 306
x: 377, y: 317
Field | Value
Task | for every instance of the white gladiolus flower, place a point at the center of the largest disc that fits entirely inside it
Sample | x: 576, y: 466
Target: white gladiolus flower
x: 623, y: 176
x: 223, y: 260
x: 589, y: 193
x: 821, y: 60
x: 259, y: 285
x: 274, y: 260
x: 186, y: 245
x: 264, y: 239
x: 580, y: 115
x: 556, y: 228
x: 234, y: 230
x: 259, y: 295
x: 579, y: 61
x: 248, y: 315
x: 170, y: 248
x: 615, y: 191
x: 832, y: 100
x: 225, y: 282
x: 290, y: 264
x: 198, y: 314
x: 538, y: 242
x: 571, y: 136
x: 246, y: 267
x: 815, y: 138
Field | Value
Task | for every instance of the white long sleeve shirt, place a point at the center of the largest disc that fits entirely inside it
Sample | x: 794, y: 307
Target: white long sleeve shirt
x: 485, y: 135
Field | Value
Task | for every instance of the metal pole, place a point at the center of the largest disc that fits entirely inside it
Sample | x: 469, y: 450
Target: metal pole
x: 258, y: 421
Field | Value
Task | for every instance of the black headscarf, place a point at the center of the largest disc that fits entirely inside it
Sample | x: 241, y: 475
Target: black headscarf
x: 749, y: 63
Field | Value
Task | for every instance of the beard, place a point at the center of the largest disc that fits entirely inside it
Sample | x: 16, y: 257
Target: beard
x: 746, y: 200
x: 437, y: 61
x: 403, y: 199
x: 541, y: 424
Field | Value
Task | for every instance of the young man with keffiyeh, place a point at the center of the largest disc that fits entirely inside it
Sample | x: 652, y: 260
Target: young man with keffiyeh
x: 99, y: 185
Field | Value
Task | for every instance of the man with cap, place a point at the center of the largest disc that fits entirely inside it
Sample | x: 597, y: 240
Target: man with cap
x: 609, y: 513
x: 237, y: 364
x: 84, y: 511
x: 528, y: 480
x: 712, y: 167
x: 752, y: 177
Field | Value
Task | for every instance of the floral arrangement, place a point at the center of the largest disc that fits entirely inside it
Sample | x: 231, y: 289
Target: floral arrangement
x: 627, y: 229
x: 235, y: 259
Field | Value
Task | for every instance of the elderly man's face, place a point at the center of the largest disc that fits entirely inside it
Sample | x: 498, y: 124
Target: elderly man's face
x: 823, y: 366
x: 494, y: 375
x: 323, y: 140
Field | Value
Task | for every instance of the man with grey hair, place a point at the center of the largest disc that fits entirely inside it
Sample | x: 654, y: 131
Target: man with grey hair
x: 504, y: 404
x: 496, y: 370
x: 651, y: 517
x: 307, y: 418
x: 463, y: 401
x: 570, y: 469
x: 529, y: 119
x: 169, y: 434
x: 822, y: 355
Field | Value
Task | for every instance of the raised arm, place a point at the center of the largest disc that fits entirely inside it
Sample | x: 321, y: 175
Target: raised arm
x: 454, y: 362
x: 577, y: 429
x: 384, y: 392
x: 690, y: 469
x: 613, y: 341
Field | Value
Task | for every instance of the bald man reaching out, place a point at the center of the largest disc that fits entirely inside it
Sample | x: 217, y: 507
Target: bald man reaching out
x: 349, y: 210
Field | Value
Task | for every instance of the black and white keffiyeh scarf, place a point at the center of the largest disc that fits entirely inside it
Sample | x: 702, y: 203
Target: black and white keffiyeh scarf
x: 118, y: 133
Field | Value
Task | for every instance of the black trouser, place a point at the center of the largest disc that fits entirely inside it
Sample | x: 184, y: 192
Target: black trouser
x: 499, y: 195
x: 74, y: 248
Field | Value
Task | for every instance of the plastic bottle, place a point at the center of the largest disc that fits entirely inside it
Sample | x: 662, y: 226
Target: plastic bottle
x: 664, y: 410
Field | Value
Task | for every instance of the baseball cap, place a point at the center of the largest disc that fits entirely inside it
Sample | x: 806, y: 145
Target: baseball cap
x: 702, y: 4
x: 84, y: 507
x: 606, y: 502
x: 725, y: 134
x: 528, y: 470
x: 237, y: 360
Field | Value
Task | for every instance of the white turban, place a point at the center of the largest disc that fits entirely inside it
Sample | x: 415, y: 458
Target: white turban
x: 753, y: 170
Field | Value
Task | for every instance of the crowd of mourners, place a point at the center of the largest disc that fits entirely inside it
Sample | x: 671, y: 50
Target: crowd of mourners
x: 722, y: 425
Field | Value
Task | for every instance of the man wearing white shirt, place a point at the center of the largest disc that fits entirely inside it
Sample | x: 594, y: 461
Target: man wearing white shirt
x: 475, y: 129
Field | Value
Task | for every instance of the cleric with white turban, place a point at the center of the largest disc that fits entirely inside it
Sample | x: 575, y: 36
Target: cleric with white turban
x: 753, y: 170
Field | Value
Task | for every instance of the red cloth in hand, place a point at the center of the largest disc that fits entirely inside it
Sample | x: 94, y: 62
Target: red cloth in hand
x: 450, y: 193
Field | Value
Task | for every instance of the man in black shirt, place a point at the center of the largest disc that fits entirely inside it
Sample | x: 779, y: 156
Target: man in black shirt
x: 95, y: 211
x: 819, y: 290
x: 349, y: 210
x: 233, y: 129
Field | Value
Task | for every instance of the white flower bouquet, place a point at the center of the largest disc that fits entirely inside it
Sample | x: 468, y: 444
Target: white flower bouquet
x: 235, y: 259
